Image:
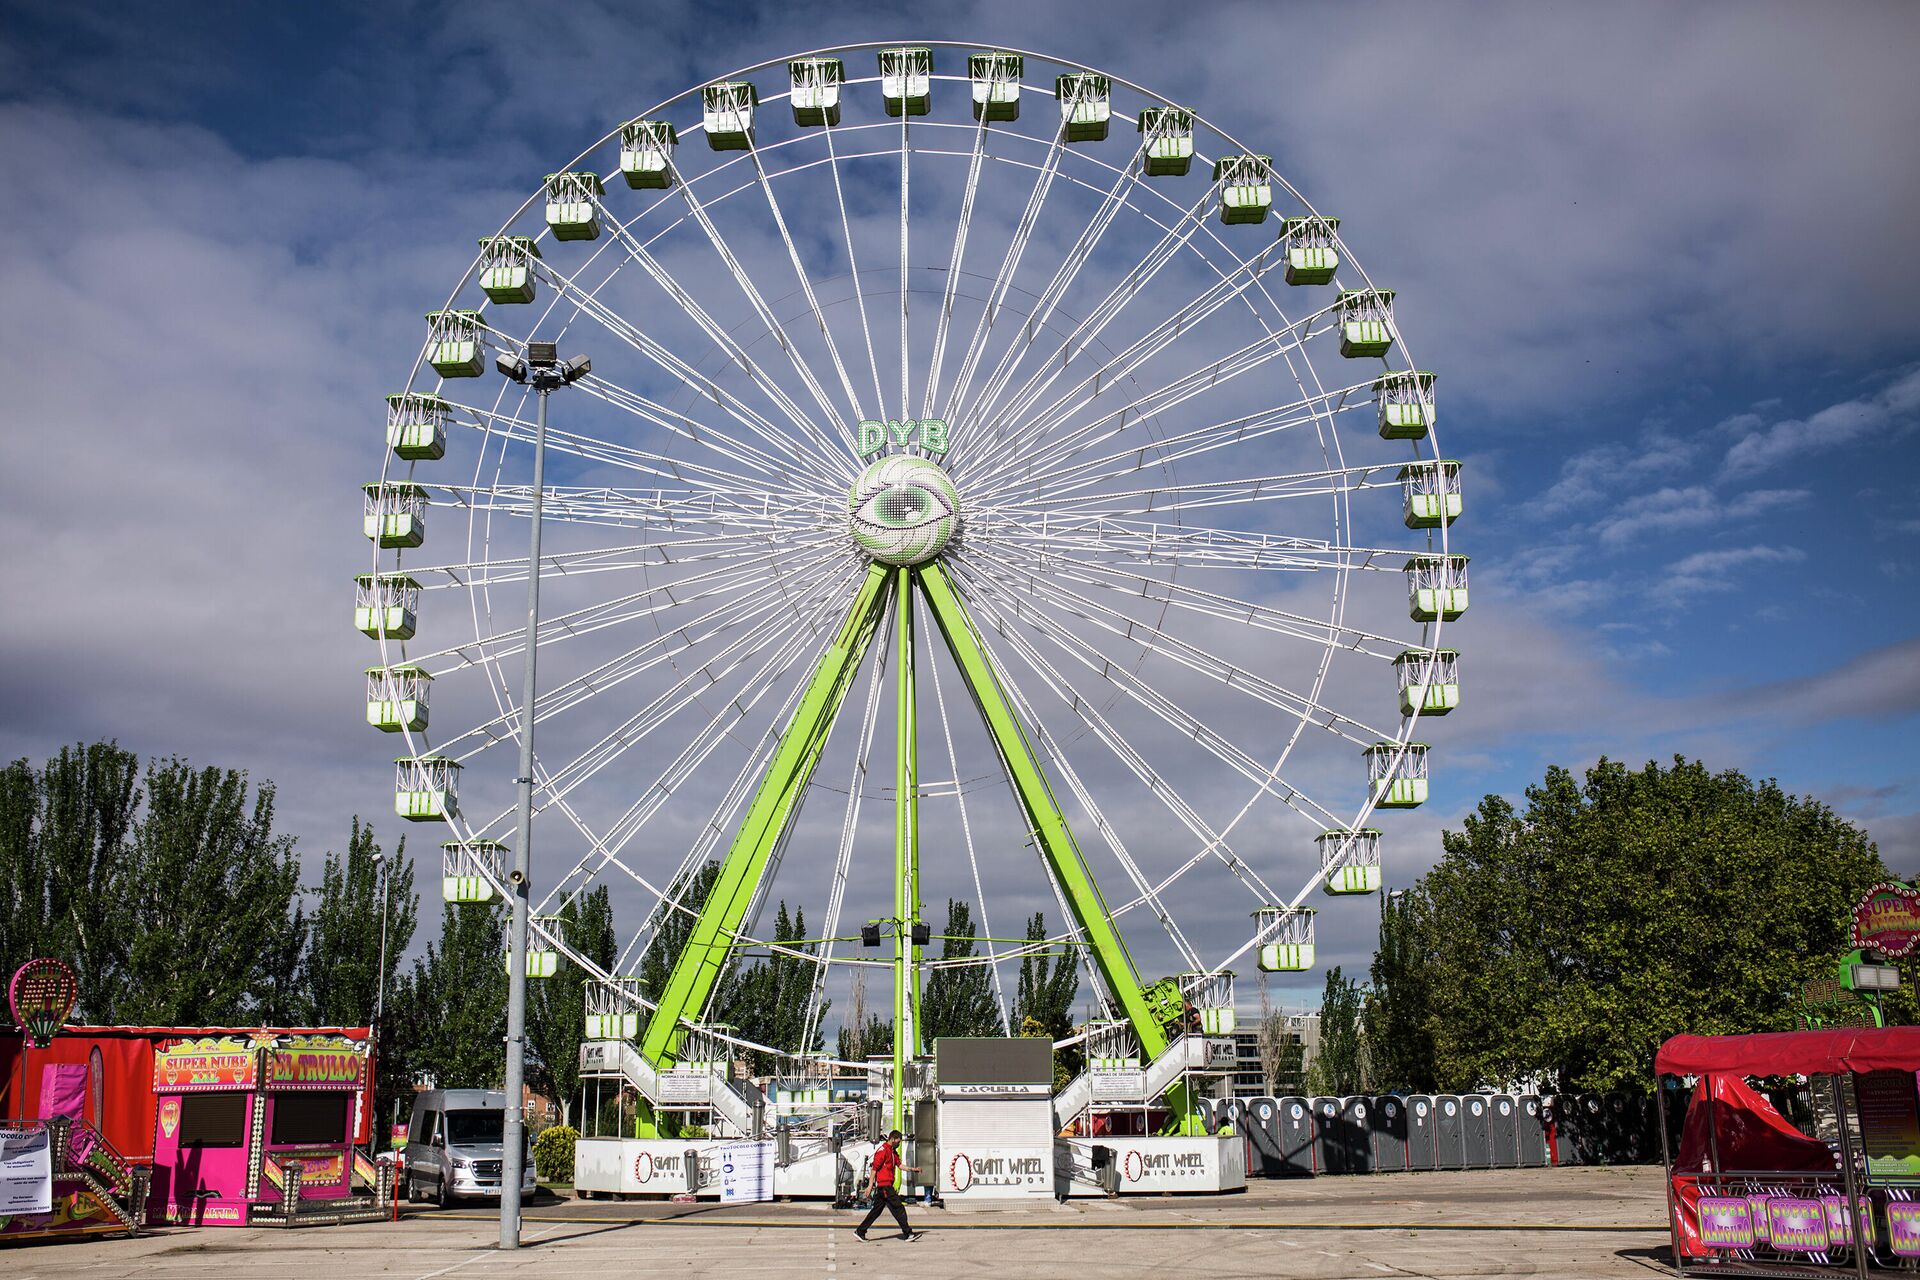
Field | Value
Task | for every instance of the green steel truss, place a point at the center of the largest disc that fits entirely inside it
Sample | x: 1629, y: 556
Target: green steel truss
x: 699, y: 966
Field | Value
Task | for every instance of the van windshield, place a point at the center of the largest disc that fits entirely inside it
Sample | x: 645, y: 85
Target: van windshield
x: 469, y: 1128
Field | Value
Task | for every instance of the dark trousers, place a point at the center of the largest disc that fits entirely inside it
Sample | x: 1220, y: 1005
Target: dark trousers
x: 889, y: 1199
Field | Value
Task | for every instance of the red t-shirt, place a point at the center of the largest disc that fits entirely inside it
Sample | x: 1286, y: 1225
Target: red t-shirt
x: 885, y: 1161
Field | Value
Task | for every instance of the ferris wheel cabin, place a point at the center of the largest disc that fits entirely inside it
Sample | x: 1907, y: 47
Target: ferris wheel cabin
x: 1397, y: 778
x: 1350, y: 859
x: 1086, y: 105
x: 815, y: 85
x: 453, y: 343
x: 906, y: 80
x: 426, y: 788
x: 397, y: 697
x: 1112, y: 1046
x: 544, y: 938
x: 1312, y: 255
x: 1366, y: 322
x: 573, y: 208
x: 646, y: 153
x: 417, y: 426
x: 506, y: 267
x: 1209, y: 997
x: 470, y: 868
x: 1430, y: 493
x: 1436, y: 587
x: 1168, y: 151
x: 996, y: 84
x: 1429, y: 681
x: 1406, y: 404
x: 394, y: 513
x: 613, y: 1008
x: 385, y: 604
x: 1285, y: 936
x: 1246, y: 187
x: 726, y: 111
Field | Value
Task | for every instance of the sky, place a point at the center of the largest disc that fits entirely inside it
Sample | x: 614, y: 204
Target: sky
x: 1661, y: 254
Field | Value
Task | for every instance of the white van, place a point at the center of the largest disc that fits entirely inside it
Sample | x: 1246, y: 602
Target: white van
x: 454, y: 1145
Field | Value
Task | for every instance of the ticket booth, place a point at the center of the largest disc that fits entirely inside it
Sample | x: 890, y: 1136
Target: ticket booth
x: 257, y: 1128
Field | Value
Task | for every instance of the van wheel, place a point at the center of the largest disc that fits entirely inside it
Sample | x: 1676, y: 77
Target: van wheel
x: 444, y: 1198
x: 413, y: 1189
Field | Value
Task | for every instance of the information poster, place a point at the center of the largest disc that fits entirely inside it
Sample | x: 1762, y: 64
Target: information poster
x: 26, y: 1173
x: 1889, y: 1107
x: 746, y: 1172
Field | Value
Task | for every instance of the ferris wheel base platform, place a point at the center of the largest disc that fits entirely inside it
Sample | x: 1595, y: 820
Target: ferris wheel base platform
x: 1153, y: 1165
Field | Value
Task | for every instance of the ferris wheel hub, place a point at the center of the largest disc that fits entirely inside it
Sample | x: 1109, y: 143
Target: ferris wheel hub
x: 903, y: 510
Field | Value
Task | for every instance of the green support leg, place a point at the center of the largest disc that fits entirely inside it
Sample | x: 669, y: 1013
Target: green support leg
x: 699, y: 966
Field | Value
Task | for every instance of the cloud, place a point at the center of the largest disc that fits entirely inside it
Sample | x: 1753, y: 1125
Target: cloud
x: 1711, y: 572
x: 1692, y: 507
x: 1889, y: 410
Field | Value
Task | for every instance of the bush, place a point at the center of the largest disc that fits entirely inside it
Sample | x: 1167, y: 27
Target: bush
x: 553, y: 1154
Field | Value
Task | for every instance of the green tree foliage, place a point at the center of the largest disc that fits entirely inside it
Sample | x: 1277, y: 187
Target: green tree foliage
x: 457, y: 1010
x: 670, y: 926
x: 553, y: 1154
x: 557, y: 1006
x: 1399, y: 1039
x: 767, y: 999
x: 1573, y: 938
x: 1339, y: 1066
x: 959, y: 1001
x: 1043, y: 998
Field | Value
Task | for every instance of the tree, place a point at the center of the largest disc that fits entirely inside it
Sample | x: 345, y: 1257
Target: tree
x: 557, y: 1006
x: 1043, y: 998
x: 862, y: 1034
x: 670, y: 927
x: 1279, y: 1046
x: 1571, y: 939
x: 959, y: 1001
x: 1339, y: 1068
x: 457, y: 1008
x: 1399, y: 1040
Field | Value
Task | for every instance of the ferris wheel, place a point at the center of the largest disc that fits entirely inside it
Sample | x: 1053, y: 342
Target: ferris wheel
x: 990, y: 479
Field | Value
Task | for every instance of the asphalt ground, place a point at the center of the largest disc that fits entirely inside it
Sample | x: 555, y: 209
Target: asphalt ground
x: 1516, y: 1222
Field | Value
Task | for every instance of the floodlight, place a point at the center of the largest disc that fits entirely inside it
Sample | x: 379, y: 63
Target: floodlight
x: 870, y: 935
x: 576, y: 369
x: 512, y: 366
x: 543, y: 355
x: 922, y: 935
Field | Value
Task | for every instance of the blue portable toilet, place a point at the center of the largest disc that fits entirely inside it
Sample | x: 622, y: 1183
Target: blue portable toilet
x: 1329, y: 1147
x: 1357, y: 1122
x: 1389, y: 1124
x: 1296, y: 1136
x: 1263, y: 1137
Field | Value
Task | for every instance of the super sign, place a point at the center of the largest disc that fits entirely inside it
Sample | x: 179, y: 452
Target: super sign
x: 1888, y: 919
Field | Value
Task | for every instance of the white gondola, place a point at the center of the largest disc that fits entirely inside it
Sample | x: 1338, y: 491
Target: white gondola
x: 1167, y: 151
x: 1112, y: 1046
x: 815, y: 84
x: 1429, y: 681
x: 385, y: 604
x: 506, y: 267
x: 573, y: 205
x: 613, y: 1008
x: 545, y: 934
x: 469, y: 869
x: 1246, y: 187
x: 1350, y: 860
x: 1312, y: 250
x: 646, y: 153
x: 1397, y: 778
x: 906, y: 80
x: 394, y: 513
x: 1366, y: 322
x: 454, y: 348
x: 417, y: 426
x: 397, y: 697
x: 996, y: 84
x: 1436, y: 587
x: 1406, y: 404
x: 726, y: 111
x: 1285, y: 938
x: 1211, y: 996
x: 705, y: 1049
x: 426, y: 788
x: 1086, y: 105
x: 1430, y: 493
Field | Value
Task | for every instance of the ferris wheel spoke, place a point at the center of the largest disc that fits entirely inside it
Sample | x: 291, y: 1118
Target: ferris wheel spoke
x: 774, y: 471
x: 1009, y: 270
x: 1146, y: 696
x: 1150, y: 637
x: 1080, y: 498
x: 954, y: 259
x: 714, y: 513
x: 1138, y: 542
x: 966, y: 829
x: 853, y: 270
x: 653, y: 554
x: 1068, y: 271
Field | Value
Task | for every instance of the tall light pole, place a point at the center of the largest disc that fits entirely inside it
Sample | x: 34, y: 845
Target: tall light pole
x: 541, y: 369
x: 379, y: 989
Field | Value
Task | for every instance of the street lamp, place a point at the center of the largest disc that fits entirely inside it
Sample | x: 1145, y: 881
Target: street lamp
x: 379, y: 987
x: 541, y: 369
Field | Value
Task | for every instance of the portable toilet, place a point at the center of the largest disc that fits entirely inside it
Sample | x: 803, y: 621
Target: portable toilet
x: 1230, y: 1114
x: 1263, y: 1137
x: 1357, y: 1122
x: 1329, y: 1154
x: 1476, y: 1130
x: 1203, y: 1110
x: 1618, y: 1127
x: 1531, y: 1132
x: 1420, y: 1132
x: 1505, y: 1131
x: 1389, y: 1125
x: 1295, y: 1123
x: 1450, y: 1150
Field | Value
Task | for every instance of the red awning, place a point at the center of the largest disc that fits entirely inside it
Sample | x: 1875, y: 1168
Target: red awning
x: 1792, y: 1053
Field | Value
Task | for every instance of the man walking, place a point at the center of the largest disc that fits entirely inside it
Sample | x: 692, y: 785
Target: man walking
x: 886, y: 1167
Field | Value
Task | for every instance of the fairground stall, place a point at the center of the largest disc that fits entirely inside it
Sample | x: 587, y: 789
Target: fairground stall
x: 1752, y: 1193
x: 233, y: 1126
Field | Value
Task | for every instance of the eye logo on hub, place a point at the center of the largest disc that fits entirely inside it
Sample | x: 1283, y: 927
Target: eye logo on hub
x: 903, y: 510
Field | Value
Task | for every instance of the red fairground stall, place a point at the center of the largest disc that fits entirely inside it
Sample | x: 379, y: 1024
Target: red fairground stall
x: 1751, y: 1193
x: 236, y: 1125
